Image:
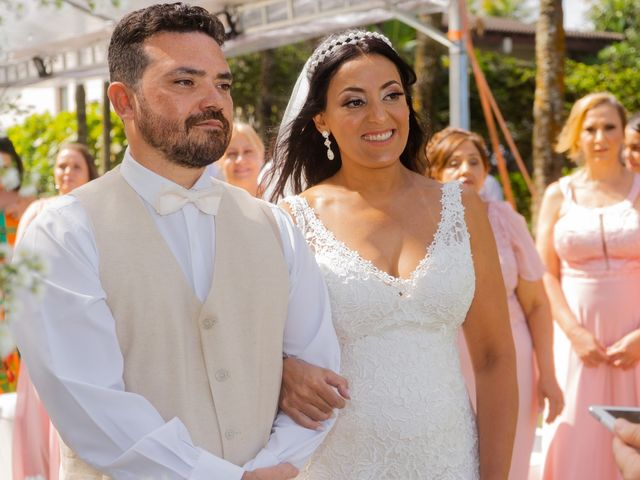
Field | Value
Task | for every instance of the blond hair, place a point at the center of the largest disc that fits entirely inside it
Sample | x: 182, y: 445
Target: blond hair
x: 253, y: 137
x: 444, y: 144
x: 569, y: 138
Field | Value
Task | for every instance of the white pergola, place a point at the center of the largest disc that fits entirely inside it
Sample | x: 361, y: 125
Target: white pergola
x: 47, y: 43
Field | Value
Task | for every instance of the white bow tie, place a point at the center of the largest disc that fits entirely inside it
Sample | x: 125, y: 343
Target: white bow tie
x: 173, y: 199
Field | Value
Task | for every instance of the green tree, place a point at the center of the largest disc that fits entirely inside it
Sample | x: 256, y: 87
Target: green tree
x: 39, y: 137
x: 249, y: 78
x: 615, y: 15
x: 501, y: 8
x: 622, y: 16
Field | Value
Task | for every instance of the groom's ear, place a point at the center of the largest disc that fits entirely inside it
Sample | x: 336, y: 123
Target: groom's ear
x: 318, y: 119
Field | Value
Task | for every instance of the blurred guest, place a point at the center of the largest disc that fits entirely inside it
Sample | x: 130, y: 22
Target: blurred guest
x: 74, y: 166
x: 589, y: 238
x: 243, y: 158
x: 12, y: 205
x: 456, y: 154
x: 35, y: 441
x: 632, y: 144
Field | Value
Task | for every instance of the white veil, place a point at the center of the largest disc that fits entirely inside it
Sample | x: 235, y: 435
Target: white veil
x: 271, y: 172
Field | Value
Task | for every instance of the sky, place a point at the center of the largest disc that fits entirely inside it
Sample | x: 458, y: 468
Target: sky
x: 575, y: 14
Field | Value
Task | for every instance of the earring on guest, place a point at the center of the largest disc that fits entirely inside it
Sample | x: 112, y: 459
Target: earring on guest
x: 327, y: 143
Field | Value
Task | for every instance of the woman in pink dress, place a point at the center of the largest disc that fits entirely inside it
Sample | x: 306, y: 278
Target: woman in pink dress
x: 456, y: 154
x: 35, y: 441
x: 589, y: 240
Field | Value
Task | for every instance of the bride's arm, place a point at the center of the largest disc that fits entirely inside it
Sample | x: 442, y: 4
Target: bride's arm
x: 488, y: 334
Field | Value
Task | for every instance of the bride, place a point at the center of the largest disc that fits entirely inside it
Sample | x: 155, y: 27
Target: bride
x: 407, y: 262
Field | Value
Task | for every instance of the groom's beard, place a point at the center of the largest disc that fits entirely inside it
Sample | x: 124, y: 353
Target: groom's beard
x: 181, y: 143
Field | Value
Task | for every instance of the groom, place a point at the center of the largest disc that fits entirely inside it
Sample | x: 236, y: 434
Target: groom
x: 171, y: 298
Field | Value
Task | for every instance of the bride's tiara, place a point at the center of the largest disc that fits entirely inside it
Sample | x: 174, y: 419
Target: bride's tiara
x: 348, y: 38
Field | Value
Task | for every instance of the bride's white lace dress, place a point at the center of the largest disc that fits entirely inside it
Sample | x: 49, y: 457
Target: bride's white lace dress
x: 410, y: 416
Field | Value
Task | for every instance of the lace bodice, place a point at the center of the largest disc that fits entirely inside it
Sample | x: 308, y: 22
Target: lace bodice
x: 409, y: 417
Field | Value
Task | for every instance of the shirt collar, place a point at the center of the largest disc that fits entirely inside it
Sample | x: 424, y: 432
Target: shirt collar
x: 149, y: 184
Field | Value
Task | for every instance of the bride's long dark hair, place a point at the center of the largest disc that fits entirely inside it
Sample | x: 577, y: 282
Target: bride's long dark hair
x: 300, y: 159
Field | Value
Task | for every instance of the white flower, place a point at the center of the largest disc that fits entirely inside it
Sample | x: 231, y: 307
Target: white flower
x: 10, y: 178
x: 24, y: 272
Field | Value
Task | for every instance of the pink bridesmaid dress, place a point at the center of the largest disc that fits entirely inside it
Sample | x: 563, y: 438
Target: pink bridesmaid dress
x: 599, y: 251
x: 36, y: 452
x: 518, y: 259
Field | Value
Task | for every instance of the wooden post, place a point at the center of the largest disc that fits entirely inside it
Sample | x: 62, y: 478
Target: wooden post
x: 548, y: 106
x: 81, y: 113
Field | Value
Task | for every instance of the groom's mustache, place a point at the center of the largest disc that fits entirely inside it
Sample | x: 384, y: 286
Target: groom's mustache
x: 208, y: 115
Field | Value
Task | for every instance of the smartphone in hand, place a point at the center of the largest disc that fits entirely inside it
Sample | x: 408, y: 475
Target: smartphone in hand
x: 608, y: 414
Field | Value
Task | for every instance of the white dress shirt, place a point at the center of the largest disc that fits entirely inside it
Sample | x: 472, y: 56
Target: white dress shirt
x: 70, y: 346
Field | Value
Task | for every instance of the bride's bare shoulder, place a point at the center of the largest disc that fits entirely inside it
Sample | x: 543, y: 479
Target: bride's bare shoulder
x: 322, y: 195
x: 427, y: 187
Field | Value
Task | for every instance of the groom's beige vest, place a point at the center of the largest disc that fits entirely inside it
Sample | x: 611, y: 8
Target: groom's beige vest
x: 215, y: 365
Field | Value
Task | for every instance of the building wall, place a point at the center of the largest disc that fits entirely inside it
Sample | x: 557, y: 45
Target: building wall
x: 50, y: 97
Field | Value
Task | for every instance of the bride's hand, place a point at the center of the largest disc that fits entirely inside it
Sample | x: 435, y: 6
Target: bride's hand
x: 308, y: 394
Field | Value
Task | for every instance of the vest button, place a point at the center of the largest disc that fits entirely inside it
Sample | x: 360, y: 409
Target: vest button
x: 229, y: 434
x: 208, y: 323
x: 222, y: 375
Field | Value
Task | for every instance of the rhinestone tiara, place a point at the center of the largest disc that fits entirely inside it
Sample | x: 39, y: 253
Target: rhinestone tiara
x: 349, y: 38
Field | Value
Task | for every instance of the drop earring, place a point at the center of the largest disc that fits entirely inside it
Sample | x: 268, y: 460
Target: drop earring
x: 327, y: 143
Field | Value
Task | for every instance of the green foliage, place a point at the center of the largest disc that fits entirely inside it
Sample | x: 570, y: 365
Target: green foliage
x: 623, y: 82
x: 615, y: 15
x: 282, y: 74
x: 624, y: 54
x: 519, y: 9
x: 512, y: 82
x: 403, y: 38
x: 38, y: 139
x: 622, y: 16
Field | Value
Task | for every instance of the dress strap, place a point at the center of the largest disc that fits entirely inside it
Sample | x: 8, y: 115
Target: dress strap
x: 301, y: 212
x: 452, y: 227
x: 635, y: 188
x: 565, y: 187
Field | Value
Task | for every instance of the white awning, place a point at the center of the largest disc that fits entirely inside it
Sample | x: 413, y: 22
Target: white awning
x: 42, y: 43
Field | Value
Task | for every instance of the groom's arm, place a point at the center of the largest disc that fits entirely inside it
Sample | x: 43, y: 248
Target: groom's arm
x: 310, y: 336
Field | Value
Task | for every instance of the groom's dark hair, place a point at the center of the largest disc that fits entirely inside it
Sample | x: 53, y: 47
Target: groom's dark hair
x: 127, y: 59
